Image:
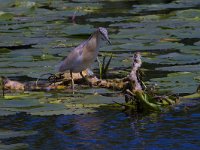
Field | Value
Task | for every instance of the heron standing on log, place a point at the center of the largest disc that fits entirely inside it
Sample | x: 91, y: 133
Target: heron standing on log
x: 81, y: 57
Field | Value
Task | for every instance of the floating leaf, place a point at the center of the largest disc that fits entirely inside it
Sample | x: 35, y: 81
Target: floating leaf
x: 97, y: 91
x: 183, y: 68
x: 173, y: 58
x: 78, y: 29
x: 24, y: 3
x: 6, y: 16
x: 4, y: 50
x: 181, y: 82
x: 192, y: 96
x: 99, y: 100
x: 189, y: 13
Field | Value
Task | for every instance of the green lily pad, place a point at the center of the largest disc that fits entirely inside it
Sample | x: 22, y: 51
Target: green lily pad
x: 189, y: 13
x: 78, y: 29
x: 21, y: 96
x: 173, y: 59
x: 6, y: 16
x: 98, y: 91
x: 160, y: 7
x: 4, y: 50
x: 19, y: 103
x: 192, y: 96
x: 38, y: 103
x: 181, y: 82
x: 24, y: 3
x: 150, y: 46
x: 108, y: 19
x: 99, y: 100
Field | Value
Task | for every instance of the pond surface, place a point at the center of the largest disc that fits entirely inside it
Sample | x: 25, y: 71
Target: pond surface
x: 102, y: 130
x: 36, y: 35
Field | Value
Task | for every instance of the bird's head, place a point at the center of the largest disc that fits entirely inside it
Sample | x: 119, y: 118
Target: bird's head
x: 104, y: 34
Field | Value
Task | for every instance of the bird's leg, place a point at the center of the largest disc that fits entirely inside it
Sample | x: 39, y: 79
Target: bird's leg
x: 72, y: 81
x: 86, y: 79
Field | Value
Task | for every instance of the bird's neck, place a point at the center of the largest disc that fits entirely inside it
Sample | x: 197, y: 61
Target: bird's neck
x: 94, y: 41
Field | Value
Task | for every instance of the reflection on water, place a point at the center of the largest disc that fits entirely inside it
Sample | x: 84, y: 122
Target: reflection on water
x: 105, y: 130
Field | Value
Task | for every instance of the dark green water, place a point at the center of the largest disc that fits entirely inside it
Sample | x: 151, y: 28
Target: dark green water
x: 35, y: 35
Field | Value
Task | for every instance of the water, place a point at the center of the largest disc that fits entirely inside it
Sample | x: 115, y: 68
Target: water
x: 107, y: 130
x: 35, y: 35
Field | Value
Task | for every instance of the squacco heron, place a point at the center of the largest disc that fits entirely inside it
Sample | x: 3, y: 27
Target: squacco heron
x: 81, y: 57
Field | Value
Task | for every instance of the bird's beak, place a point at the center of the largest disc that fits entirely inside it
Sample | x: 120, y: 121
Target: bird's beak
x: 106, y: 38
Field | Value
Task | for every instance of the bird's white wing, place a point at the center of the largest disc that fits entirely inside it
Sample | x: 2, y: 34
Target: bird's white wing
x: 71, y: 59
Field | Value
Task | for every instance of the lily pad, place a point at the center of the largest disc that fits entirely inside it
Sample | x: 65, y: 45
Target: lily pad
x: 6, y: 16
x: 193, y: 96
x: 26, y: 103
x: 173, y: 58
x: 98, y: 91
x: 78, y: 29
x: 4, y: 50
x: 189, y: 13
x: 24, y: 3
x: 36, y: 103
x: 183, y: 68
x: 108, y: 19
x: 181, y: 82
x: 98, y: 100
x: 161, y: 6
